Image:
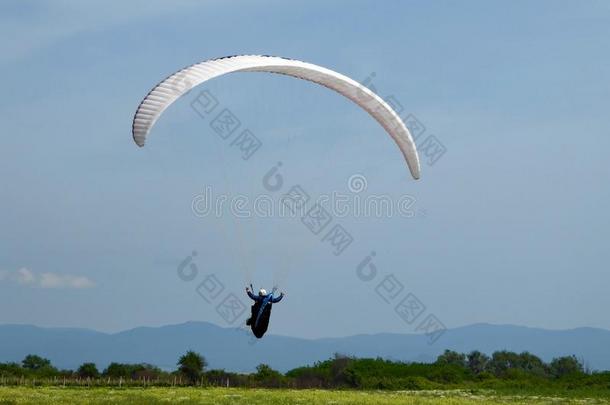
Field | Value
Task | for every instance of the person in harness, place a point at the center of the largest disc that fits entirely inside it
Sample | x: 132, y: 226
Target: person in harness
x: 261, y: 310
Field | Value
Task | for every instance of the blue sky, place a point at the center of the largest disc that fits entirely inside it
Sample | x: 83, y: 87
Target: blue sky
x: 512, y: 222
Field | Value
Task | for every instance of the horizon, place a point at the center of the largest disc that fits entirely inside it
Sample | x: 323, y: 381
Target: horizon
x: 299, y: 337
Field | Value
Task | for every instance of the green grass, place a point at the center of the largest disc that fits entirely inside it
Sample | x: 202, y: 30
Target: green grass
x: 57, y: 395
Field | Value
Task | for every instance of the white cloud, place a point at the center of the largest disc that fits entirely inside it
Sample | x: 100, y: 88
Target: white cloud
x: 25, y: 276
x: 54, y: 280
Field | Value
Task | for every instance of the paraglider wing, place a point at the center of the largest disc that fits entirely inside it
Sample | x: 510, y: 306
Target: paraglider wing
x: 170, y: 89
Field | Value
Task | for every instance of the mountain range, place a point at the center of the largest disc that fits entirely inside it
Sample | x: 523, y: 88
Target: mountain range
x: 235, y: 349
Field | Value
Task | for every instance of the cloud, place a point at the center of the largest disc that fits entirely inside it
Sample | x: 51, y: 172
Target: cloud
x: 25, y: 276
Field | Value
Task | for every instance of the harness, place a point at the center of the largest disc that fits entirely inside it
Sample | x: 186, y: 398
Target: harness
x: 266, y: 301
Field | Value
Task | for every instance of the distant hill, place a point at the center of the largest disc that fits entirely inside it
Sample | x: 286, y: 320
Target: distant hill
x: 234, y: 349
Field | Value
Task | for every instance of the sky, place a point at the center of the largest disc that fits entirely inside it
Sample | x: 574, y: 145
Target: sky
x: 509, y: 223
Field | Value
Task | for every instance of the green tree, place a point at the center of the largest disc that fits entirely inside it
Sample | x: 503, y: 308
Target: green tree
x: 35, y: 362
x: 265, y: 372
x: 563, y: 366
x: 88, y: 370
x: 449, y: 357
x: 532, y: 364
x: 192, y: 364
x: 267, y: 376
x: 145, y: 370
x: 477, y: 361
x: 117, y: 370
x: 12, y: 369
x: 502, y: 361
x: 133, y: 371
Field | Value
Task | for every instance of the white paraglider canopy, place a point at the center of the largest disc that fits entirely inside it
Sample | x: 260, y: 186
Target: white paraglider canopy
x: 170, y: 89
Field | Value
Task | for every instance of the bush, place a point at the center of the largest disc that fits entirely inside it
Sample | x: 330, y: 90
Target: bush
x: 88, y: 370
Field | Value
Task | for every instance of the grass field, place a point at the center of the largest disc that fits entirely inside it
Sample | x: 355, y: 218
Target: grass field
x: 55, y: 395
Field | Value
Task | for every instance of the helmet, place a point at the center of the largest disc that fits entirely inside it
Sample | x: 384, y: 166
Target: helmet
x: 262, y: 291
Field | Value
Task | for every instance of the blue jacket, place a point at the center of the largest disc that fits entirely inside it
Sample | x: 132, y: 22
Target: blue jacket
x: 265, y: 298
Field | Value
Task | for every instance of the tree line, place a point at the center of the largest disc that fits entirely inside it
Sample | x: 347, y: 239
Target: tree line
x: 502, y: 369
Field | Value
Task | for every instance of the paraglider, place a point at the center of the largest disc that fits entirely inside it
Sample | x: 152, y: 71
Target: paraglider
x: 261, y: 310
x: 181, y: 82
